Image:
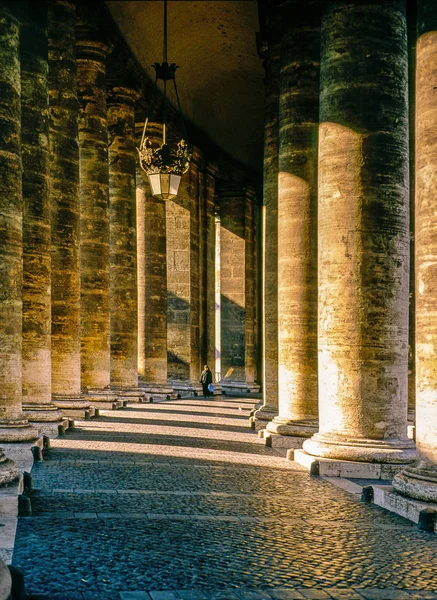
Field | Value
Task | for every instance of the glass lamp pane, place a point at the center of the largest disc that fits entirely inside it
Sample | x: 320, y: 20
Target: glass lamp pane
x: 155, y: 183
x: 174, y: 184
x: 165, y: 185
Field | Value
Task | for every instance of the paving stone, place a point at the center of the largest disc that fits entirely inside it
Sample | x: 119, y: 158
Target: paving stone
x: 164, y: 595
x: 284, y: 594
x: 314, y: 594
x: 191, y: 595
x: 134, y: 596
x: 384, y: 594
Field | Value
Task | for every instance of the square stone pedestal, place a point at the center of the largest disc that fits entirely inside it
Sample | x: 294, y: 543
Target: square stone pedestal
x: 8, y: 517
x: 21, y: 453
x: 274, y: 440
x: 388, y: 498
x: 327, y: 467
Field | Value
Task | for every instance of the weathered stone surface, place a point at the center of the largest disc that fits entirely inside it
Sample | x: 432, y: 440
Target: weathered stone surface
x: 363, y: 235
x: 94, y: 215
x: 152, y: 283
x: 420, y: 481
x: 123, y: 250
x: 36, y: 355
x: 64, y: 207
x: 13, y: 426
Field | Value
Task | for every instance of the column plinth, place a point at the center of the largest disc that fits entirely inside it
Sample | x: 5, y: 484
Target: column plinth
x: 8, y: 469
x: 363, y: 229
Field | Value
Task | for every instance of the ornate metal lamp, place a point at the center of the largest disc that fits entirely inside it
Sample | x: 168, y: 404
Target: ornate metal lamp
x: 164, y: 163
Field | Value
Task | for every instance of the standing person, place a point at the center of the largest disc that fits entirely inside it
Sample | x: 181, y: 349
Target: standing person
x: 206, y: 380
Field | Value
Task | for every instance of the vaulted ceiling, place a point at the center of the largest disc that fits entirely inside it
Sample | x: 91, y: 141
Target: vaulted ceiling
x: 220, y: 75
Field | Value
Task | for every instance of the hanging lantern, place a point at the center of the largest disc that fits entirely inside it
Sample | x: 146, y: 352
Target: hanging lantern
x: 165, y: 162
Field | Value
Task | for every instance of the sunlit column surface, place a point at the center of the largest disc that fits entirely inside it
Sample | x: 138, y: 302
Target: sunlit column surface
x: 363, y: 234
x: 420, y: 480
x: 64, y: 210
x: 123, y: 251
x: 94, y: 220
x: 297, y: 224
x: 14, y: 427
x: 269, y: 408
x: 37, y: 402
x: 152, y: 284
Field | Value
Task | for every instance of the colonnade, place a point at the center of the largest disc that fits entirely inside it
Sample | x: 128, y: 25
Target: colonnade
x: 336, y: 174
x: 107, y: 293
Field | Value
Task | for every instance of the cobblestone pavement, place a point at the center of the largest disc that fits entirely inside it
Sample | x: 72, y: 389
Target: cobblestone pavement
x: 182, y: 501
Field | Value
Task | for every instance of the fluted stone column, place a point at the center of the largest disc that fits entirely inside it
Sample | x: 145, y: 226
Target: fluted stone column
x: 36, y: 384
x: 94, y: 223
x: 236, y: 289
x: 297, y: 227
x: 270, y: 406
x: 14, y: 427
x: 420, y: 480
x: 152, y: 286
x: 183, y: 341
x: 363, y: 235
x: 123, y: 251
x: 64, y: 209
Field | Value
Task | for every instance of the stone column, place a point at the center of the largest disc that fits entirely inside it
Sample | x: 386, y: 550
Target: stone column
x: 250, y: 259
x: 183, y: 341
x: 152, y: 287
x: 123, y: 250
x: 14, y: 427
x: 270, y: 408
x: 94, y: 224
x: 297, y: 227
x: 420, y: 480
x: 36, y: 384
x: 363, y: 235
x: 236, y: 288
x: 64, y: 208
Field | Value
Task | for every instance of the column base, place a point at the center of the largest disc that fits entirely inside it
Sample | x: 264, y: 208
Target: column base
x: 8, y: 469
x: 397, y: 451
x: 389, y: 499
x: 303, y: 428
x: 130, y: 395
x: 47, y: 418
x: 157, y: 391
x: 17, y: 430
x: 186, y: 388
x: 328, y: 467
x: 261, y: 418
x: 418, y: 481
x: 74, y: 406
x: 240, y: 387
x: 104, y: 399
